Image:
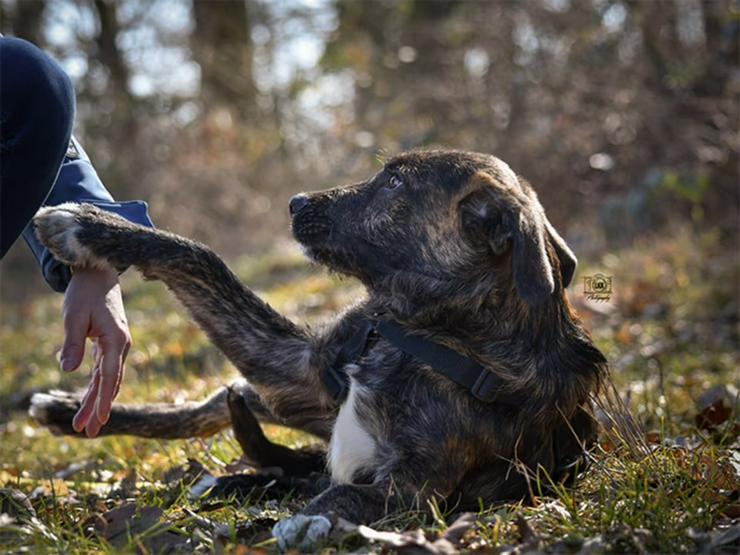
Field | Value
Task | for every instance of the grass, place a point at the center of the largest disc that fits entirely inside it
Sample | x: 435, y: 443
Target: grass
x: 670, y: 333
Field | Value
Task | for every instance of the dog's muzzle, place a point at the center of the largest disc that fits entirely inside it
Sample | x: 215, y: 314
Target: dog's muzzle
x: 310, y: 223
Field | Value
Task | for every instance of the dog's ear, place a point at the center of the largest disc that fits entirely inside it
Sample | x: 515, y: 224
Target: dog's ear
x: 506, y: 221
x: 568, y: 260
x: 530, y: 264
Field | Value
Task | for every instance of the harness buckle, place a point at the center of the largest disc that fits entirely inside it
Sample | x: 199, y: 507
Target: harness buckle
x: 337, y: 384
x: 483, y: 388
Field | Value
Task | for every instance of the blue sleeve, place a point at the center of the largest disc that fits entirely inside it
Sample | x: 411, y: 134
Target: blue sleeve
x: 79, y: 182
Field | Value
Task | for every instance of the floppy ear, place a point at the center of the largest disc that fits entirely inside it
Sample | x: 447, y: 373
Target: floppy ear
x: 530, y: 265
x: 568, y: 260
x: 501, y: 226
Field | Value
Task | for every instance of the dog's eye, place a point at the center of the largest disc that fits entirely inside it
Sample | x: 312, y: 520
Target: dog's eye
x: 394, y: 182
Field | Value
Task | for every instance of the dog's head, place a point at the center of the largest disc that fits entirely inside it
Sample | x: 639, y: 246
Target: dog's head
x: 444, y: 216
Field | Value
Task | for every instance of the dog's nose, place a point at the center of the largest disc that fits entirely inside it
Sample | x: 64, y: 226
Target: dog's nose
x: 298, y: 203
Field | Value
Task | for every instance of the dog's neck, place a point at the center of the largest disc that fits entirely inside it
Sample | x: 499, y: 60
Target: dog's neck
x: 538, y: 348
x: 484, y: 308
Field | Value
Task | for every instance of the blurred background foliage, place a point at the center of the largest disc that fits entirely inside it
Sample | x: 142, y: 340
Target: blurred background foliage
x: 622, y: 113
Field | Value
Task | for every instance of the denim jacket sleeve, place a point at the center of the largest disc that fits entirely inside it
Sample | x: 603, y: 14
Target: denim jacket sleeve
x: 79, y: 182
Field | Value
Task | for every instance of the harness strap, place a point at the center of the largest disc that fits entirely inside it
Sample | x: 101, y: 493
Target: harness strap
x: 335, y: 377
x: 482, y: 384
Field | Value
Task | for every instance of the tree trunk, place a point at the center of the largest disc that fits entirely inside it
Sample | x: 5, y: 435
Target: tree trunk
x: 222, y: 47
x: 26, y: 22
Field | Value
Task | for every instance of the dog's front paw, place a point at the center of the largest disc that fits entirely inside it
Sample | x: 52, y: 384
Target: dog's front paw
x: 301, y: 531
x: 57, y: 228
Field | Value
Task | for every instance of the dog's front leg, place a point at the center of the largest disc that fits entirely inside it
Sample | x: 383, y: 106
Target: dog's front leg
x: 356, y: 503
x: 277, y: 357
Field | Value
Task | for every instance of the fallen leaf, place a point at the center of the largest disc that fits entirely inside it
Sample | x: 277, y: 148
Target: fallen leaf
x: 15, y: 504
x: 123, y: 524
x: 530, y: 540
x: 127, y: 486
x: 53, y: 487
x: 415, y: 541
x: 715, y: 407
x: 125, y: 518
x: 18, y: 517
x: 74, y: 468
x: 457, y: 529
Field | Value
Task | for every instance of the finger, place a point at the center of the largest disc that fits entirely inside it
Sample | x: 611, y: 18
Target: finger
x: 122, y: 372
x: 110, y: 370
x: 93, y: 426
x: 88, y: 403
x: 76, y: 325
x: 83, y: 413
x: 96, y: 352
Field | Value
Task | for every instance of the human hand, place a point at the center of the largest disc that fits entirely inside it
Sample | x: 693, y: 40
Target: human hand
x: 93, y: 308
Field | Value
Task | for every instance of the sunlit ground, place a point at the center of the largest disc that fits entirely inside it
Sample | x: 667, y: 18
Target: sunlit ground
x: 670, y: 332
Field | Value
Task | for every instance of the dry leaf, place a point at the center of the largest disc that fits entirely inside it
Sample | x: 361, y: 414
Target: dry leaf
x: 74, y: 468
x: 715, y: 407
x: 123, y: 523
x: 415, y: 541
x: 15, y: 504
x: 530, y: 540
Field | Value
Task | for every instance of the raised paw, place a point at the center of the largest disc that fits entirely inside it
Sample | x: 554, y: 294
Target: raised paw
x: 55, y: 410
x: 301, y: 531
x: 57, y: 228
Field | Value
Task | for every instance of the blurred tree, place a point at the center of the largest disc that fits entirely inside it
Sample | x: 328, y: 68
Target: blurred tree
x: 721, y: 27
x: 585, y: 97
x: 111, y: 57
x: 222, y: 46
x: 217, y: 111
x: 27, y: 20
x: 404, y: 70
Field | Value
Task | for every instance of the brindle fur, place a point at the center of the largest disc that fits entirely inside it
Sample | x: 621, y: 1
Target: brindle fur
x: 462, y: 253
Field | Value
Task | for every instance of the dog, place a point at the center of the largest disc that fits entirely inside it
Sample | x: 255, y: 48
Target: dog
x: 464, y: 375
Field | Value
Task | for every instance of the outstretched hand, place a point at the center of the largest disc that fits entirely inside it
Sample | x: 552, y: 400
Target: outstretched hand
x: 93, y: 308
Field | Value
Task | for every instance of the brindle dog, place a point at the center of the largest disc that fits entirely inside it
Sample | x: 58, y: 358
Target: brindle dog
x: 454, y: 247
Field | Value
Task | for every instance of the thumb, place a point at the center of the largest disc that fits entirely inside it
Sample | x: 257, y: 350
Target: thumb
x: 75, y: 333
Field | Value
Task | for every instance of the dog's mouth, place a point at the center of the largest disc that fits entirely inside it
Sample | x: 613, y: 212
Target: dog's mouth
x: 325, y: 244
x: 311, y: 229
x: 336, y: 260
x: 318, y: 238
x: 317, y: 235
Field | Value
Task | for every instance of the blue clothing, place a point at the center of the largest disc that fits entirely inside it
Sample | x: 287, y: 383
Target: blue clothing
x: 79, y: 182
x: 40, y: 163
x: 36, y: 113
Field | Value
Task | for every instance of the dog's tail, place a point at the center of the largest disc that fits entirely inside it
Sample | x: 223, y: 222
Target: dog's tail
x: 56, y: 409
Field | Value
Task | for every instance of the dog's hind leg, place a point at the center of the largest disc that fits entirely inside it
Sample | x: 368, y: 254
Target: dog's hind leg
x: 55, y: 410
x: 261, y: 451
x: 279, y: 359
x: 246, y: 486
x: 286, y: 471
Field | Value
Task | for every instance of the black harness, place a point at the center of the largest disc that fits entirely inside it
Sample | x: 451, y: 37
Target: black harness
x: 480, y: 382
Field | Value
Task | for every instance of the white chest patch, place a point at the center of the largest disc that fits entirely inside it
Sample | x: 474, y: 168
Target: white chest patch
x: 351, y: 448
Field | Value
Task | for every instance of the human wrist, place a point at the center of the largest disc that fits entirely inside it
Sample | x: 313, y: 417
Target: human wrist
x: 105, y: 275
